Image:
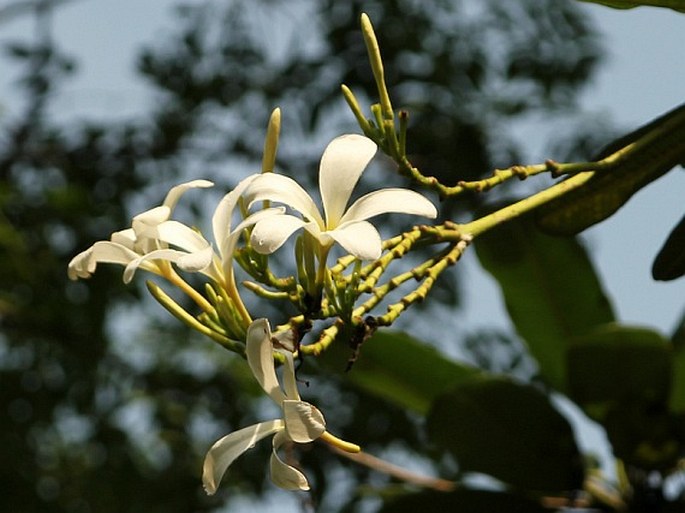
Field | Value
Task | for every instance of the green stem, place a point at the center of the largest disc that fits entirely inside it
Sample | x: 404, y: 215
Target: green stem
x: 475, y: 228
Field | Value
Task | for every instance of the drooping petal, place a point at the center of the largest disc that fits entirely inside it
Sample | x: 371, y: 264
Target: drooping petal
x: 289, y: 379
x: 79, y: 265
x: 260, y: 358
x: 223, y: 214
x: 360, y: 239
x: 192, y: 262
x: 304, y: 423
x: 176, y: 192
x: 282, y: 189
x: 342, y: 163
x: 227, y: 449
x: 107, y: 252
x: 283, y: 475
x: 389, y: 200
x: 269, y: 234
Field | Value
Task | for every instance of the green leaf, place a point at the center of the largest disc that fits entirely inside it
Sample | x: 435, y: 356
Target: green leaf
x: 640, y: 157
x: 396, y: 367
x: 618, y: 365
x: 677, y: 5
x: 463, y: 500
x: 510, y: 431
x: 550, y: 289
x: 669, y: 264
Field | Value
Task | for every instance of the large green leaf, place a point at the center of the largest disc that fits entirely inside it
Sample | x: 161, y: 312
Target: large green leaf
x: 550, y: 288
x: 617, y: 365
x: 678, y: 5
x: 623, y: 377
x: 400, y: 369
x: 508, y: 430
x: 641, y: 157
x: 463, y: 500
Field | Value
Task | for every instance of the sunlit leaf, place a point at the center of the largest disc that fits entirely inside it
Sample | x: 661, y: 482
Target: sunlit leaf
x: 508, y: 430
x: 669, y: 264
x: 618, y: 365
x: 678, y: 5
x: 644, y: 155
x: 550, y: 288
x: 400, y: 369
x: 463, y: 500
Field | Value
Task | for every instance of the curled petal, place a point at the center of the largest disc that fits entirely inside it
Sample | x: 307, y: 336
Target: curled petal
x: 227, y: 449
x: 269, y: 234
x: 282, y: 189
x: 126, y: 238
x: 304, y: 423
x: 151, y: 217
x: 389, y: 200
x: 231, y: 241
x: 187, y: 261
x: 342, y: 163
x: 176, y: 192
x: 283, y: 475
x: 223, y: 214
x: 84, y: 264
x: 79, y: 265
x: 289, y: 379
x: 360, y: 239
x: 260, y: 358
x: 179, y: 235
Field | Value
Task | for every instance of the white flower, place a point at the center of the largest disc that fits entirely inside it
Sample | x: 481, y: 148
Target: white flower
x: 194, y: 252
x: 301, y: 422
x: 154, y: 240
x: 143, y: 239
x: 342, y: 164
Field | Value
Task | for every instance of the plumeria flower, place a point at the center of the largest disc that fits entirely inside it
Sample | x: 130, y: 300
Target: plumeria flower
x: 301, y: 422
x: 342, y: 164
x: 142, y: 239
x: 195, y: 253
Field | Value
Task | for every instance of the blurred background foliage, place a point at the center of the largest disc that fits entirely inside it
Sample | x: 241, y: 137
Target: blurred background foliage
x: 108, y: 406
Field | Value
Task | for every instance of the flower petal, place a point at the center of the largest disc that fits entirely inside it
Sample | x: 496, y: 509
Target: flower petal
x: 289, y: 379
x: 84, y: 264
x: 170, y: 255
x: 389, y: 200
x: 176, y: 192
x: 179, y: 235
x: 342, y: 163
x: 151, y: 217
x: 304, y: 423
x: 223, y: 214
x: 282, y: 189
x: 360, y: 239
x: 227, y: 449
x: 232, y: 239
x: 283, y: 475
x: 260, y: 358
x: 79, y: 265
x: 269, y: 234
x: 125, y: 237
